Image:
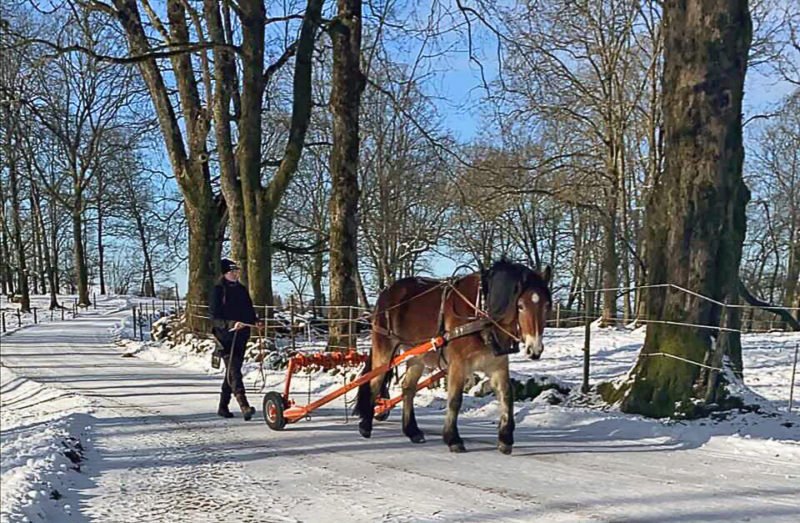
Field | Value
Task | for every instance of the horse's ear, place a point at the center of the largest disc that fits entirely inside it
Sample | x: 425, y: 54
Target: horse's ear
x: 547, y: 274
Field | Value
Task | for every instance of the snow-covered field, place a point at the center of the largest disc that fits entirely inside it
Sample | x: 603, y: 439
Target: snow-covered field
x: 151, y: 448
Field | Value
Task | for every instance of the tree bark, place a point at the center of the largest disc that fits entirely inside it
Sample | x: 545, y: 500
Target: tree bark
x: 78, y: 250
x: 347, y: 86
x: 696, y: 218
x: 22, y: 269
x: 39, y: 223
x: 224, y: 86
x: 100, y: 246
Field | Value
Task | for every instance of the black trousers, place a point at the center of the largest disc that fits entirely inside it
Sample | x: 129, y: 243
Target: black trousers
x: 233, y: 356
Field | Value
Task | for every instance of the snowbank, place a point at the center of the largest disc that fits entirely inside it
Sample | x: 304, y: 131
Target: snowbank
x: 44, y: 438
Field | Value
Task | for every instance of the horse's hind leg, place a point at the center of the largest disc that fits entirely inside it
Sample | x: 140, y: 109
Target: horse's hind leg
x: 410, y: 427
x: 502, y: 391
x: 455, y: 393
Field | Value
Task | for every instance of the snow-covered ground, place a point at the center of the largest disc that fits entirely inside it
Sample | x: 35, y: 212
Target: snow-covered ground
x: 151, y: 448
x: 16, y: 319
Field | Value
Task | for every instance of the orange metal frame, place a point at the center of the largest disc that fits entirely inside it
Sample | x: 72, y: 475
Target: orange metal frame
x: 351, y: 358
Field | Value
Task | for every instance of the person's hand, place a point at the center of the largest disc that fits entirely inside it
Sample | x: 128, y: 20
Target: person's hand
x: 238, y: 326
x: 260, y: 324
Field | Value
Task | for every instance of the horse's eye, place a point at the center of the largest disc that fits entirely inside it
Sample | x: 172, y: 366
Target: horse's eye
x: 520, y: 306
x: 535, y: 298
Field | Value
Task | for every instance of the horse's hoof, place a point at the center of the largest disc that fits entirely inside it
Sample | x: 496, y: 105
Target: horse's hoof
x: 458, y: 448
x: 365, y: 433
x: 417, y: 438
x: 505, y: 449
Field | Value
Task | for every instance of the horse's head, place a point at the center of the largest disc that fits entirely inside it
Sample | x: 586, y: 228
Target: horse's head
x: 519, y: 299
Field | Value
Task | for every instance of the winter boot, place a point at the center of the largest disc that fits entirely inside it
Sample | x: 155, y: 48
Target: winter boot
x: 247, y: 410
x: 222, y: 410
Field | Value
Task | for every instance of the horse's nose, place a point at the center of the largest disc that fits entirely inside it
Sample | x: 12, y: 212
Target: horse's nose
x: 534, y: 347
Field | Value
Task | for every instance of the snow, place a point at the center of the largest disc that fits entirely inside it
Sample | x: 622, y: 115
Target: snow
x: 153, y: 450
x: 40, y: 426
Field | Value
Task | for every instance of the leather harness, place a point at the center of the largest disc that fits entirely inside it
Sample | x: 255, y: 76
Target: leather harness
x: 476, y: 324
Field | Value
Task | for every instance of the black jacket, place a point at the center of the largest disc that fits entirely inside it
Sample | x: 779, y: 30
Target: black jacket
x: 230, y: 302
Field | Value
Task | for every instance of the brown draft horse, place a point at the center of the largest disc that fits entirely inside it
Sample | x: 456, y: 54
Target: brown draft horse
x: 413, y: 310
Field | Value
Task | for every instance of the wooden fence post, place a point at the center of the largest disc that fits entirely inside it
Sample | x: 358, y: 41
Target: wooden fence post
x: 718, y: 350
x: 350, y: 340
x: 794, y: 371
x: 587, y: 340
x: 291, y: 322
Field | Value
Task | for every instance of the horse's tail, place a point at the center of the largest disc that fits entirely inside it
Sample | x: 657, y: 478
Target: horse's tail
x: 364, y: 394
x: 380, y: 353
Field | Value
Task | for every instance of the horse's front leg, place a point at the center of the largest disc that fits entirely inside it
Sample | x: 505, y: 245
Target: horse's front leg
x: 502, y: 391
x: 410, y: 428
x: 455, y: 393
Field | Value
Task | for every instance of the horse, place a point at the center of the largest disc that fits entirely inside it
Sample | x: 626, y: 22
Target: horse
x: 413, y: 310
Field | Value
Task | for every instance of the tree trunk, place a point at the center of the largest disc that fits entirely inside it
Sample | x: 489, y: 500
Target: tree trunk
x: 55, y: 254
x: 792, y: 275
x: 316, y: 278
x: 100, y: 246
x: 249, y: 147
x: 224, y: 86
x: 347, y: 85
x: 22, y: 269
x: 610, y: 267
x: 78, y: 252
x: 38, y: 222
x: 696, y: 218
x: 5, y: 254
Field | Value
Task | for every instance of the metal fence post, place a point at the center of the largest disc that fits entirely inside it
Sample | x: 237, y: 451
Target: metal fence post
x: 587, y: 341
x: 350, y: 340
x: 19, y: 318
x: 558, y: 315
x: 94, y: 301
x: 62, y: 313
x: 35, y: 315
x: 4, y: 321
x: 133, y: 311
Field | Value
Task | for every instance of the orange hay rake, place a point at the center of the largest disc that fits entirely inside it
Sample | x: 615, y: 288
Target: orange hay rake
x: 279, y: 409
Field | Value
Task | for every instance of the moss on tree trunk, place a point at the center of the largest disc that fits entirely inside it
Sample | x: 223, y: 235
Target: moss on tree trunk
x: 696, y: 217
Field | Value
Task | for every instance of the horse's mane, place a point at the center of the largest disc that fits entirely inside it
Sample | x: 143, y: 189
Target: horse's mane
x: 504, y: 281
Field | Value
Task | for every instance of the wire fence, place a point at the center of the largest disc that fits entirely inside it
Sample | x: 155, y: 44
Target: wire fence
x: 723, y: 323
x: 309, y: 328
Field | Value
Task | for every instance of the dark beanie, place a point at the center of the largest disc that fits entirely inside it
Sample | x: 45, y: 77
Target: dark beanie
x: 228, y: 265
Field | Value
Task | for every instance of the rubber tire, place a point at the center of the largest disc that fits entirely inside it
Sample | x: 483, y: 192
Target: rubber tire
x: 272, y: 407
